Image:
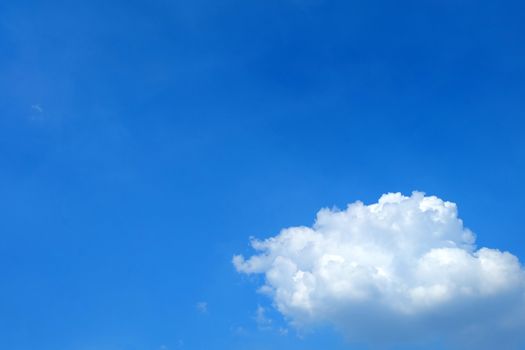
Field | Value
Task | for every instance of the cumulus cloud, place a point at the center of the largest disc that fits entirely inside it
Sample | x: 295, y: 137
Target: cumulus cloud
x: 402, y: 269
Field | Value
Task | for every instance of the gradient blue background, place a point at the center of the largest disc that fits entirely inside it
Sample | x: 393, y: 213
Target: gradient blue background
x: 143, y: 142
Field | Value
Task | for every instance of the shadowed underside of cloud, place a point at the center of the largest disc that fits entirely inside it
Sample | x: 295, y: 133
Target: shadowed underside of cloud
x: 404, y: 269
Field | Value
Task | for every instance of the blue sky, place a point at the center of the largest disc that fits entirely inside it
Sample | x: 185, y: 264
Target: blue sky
x: 143, y: 143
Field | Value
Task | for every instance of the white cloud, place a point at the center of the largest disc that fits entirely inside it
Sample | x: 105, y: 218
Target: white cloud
x: 402, y: 269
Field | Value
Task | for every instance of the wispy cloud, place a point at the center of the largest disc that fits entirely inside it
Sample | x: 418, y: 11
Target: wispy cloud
x: 37, y: 108
x: 202, y: 307
x: 263, y: 322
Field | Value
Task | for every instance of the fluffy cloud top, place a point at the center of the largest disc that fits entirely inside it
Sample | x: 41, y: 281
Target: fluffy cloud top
x: 404, y: 268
